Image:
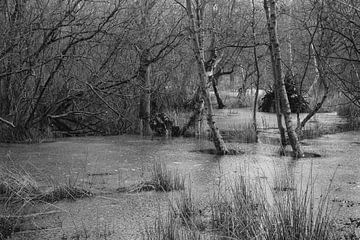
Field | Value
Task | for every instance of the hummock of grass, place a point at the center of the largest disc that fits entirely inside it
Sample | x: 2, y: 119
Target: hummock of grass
x: 63, y: 192
x: 17, y: 185
x: 162, y: 180
x: 19, y: 189
x: 243, y: 212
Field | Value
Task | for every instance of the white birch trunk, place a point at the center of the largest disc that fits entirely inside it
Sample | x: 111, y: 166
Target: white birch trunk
x: 219, y: 143
x: 279, y: 78
x: 276, y: 87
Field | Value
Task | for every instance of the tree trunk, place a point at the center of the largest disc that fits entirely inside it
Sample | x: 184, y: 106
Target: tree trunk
x: 322, y: 87
x: 4, y: 98
x: 219, y: 143
x: 145, y: 94
x: 219, y: 101
x: 215, y: 77
x: 276, y: 87
x: 232, y: 81
x: 197, y: 113
x: 276, y: 61
x: 257, y: 83
x: 281, y: 128
x: 4, y: 64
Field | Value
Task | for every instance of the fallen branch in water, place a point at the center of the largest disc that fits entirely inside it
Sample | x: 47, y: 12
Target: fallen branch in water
x: 7, y: 122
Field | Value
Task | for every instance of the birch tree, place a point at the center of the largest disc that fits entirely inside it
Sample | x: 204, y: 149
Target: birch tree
x: 270, y: 6
x: 196, y: 38
x: 276, y: 87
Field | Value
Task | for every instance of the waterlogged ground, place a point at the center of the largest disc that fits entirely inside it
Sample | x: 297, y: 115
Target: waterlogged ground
x: 104, y: 164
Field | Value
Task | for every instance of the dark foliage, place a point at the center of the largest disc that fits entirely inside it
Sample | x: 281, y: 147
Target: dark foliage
x: 162, y: 125
x: 296, y: 100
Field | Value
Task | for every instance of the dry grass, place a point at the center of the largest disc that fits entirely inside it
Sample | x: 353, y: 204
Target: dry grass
x: 17, y: 185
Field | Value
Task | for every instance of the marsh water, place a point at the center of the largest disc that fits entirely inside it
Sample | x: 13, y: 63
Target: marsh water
x: 104, y: 164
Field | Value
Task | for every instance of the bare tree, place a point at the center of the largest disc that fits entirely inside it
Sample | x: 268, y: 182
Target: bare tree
x: 151, y: 46
x: 43, y: 39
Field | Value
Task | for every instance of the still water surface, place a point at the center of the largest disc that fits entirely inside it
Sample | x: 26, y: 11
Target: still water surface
x: 106, y: 163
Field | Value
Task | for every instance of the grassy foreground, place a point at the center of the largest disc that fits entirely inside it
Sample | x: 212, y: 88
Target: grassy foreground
x: 245, y: 211
x: 19, y: 192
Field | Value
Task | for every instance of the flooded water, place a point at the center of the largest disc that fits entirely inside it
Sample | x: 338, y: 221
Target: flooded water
x: 106, y: 163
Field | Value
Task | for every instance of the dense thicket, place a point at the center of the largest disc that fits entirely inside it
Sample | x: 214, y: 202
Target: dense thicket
x: 80, y: 67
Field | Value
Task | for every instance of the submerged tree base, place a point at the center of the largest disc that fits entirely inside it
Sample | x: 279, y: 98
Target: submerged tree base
x: 214, y: 152
x: 287, y: 153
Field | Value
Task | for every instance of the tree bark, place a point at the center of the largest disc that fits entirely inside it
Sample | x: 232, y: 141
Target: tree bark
x: 283, y: 142
x: 257, y: 83
x: 145, y: 93
x: 4, y: 98
x: 219, y: 101
x: 219, y: 143
x: 197, y: 113
x: 276, y: 61
x: 5, y: 64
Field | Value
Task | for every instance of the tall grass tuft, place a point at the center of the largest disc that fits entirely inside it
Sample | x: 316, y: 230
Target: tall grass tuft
x: 235, y: 211
x: 162, y: 179
x: 246, y: 211
x: 244, y: 133
x: 297, y: 216
x: 171, y: 227
x: 165, y: 180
